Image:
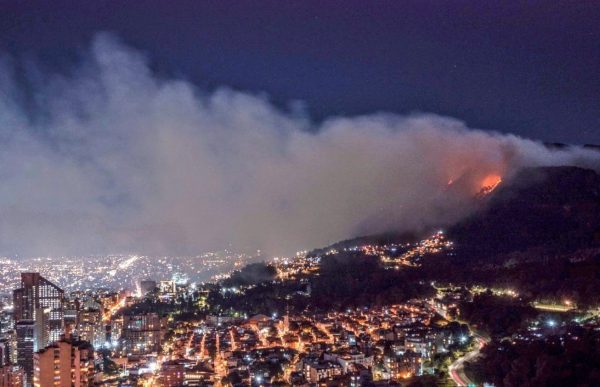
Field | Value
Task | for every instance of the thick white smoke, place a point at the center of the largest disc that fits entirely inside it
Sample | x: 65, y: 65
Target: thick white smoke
x: 113, y: 159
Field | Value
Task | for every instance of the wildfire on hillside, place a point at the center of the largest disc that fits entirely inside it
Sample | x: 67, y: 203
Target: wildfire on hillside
x: 478, y: 186
x: 489, y: 184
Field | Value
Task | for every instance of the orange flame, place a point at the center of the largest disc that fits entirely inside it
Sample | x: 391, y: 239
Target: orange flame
x: 489, y: 183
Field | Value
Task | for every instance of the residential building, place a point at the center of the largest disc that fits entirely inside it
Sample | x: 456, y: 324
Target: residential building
x: 65, y: 363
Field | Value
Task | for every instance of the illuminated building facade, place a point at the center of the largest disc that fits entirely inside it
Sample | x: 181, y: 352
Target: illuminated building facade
x: 38, y: 294
x: 64, y: 363
x: 11, y: 376
x: 38, y: 316
x: 142, y: 333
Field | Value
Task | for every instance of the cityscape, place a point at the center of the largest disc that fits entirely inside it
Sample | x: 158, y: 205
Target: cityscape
x: 170, y: 331
x: 299, y: 193
x: 120, y: 271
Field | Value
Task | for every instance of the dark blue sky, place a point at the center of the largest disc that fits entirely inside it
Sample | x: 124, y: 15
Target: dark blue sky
x: 532, y: 69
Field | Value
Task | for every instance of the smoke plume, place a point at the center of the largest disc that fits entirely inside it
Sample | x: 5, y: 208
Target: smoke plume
x: 110, y: 158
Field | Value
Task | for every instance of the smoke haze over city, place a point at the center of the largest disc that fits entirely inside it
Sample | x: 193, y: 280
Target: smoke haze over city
x: 108, y: 157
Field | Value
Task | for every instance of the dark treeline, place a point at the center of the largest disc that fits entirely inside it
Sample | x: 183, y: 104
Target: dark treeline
x: 353, y: 279
x: 552, y: 278
x: 344, y: 280
x: 497, y: 316
x: 251, y: 274
x: 572, y: 362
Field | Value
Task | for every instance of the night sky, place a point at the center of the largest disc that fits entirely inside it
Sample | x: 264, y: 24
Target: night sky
x: 532, y: 70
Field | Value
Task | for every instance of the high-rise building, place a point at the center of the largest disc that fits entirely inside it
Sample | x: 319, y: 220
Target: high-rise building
x: 37, y: 293
x: 142, y: 333
x: 11, y: 376
x: 31, y: 335
x: 6, y: 321
x: 91, y: 327
x: 5, y: 352
x: 8, y: 347
x: 25, y: 347
x: 71, y: 317
x: 41, y: 328
x: 38, y: 316
x: 65, y: 363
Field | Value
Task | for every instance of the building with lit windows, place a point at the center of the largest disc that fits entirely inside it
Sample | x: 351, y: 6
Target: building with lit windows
x: 142, y: 333
x: 11, y: 376
x: 38, y: 316
x: 172, y: 374
x: 319, y: 371
x: 38, y: 294
x: 91, y: 328
x: 65, y: 363
x: 25, y: 332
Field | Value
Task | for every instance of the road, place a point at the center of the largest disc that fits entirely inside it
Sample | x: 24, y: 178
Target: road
x: 457, y: 369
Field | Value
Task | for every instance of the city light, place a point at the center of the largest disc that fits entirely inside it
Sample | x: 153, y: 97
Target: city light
x: 427, y: 213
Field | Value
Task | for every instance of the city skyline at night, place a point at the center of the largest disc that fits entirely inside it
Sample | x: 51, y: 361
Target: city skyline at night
x: 303, y: 194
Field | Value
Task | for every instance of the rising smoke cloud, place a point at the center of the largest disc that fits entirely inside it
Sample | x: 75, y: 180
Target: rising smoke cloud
x: 113, y: 159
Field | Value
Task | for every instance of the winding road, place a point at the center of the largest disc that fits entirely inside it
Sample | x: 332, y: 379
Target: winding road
x: 457, y: 369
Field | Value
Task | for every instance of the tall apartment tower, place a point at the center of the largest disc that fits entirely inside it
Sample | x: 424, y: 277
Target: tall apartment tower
x: 91, y: 327
x: 65, y: 363
x: 38, y: 316
x: 11, y: 376
x: 37, y: 293
x: 25, y: 330
x: 142, y: 333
